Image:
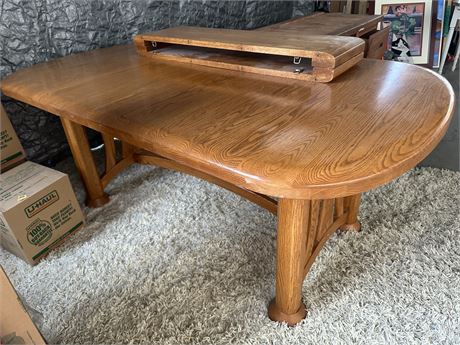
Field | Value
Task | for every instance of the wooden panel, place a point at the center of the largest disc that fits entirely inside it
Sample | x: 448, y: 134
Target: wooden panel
x: 256, y: 52
x: 327, y: 233
x: 334, y: 6
x: 313, y: 226
x: 325, y: 75
x: 352, y: 208
x: 127, y: 150
x: 328, y: 50
x: 326, y: 218
x: 278, y: 66
x: 338, y: 208
x: 110, y: 152
x: 274, y: 136
x: 376, y: 43
x: 328, y: 24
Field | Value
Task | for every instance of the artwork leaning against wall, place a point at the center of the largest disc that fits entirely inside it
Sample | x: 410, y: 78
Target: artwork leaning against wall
x: 410, y: 29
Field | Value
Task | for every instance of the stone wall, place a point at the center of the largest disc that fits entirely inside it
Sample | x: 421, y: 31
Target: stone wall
x: 36, y: 31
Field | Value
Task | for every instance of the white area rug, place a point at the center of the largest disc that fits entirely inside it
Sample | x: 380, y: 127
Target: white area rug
x: 175, y: 260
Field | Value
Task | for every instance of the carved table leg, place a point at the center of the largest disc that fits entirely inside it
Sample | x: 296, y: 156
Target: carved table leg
x: 352, y: 223
x: 293, y: 221
x: 304, y: 226
x: 78, y: 142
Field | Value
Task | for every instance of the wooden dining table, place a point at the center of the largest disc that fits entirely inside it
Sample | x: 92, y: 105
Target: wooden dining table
x: 303, y: 150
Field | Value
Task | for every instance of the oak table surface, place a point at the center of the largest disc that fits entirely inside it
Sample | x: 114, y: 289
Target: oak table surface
x: 275, y: 136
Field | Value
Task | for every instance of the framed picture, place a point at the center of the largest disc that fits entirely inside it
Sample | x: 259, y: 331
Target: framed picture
x: 410, y: 29
x: 438, y: 33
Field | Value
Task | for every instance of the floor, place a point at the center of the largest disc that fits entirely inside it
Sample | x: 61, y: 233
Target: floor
x: 447, y: 154
x: 174, y: 260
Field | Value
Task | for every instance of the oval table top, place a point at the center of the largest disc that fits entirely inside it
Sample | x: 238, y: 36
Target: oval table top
x: 276, y: 136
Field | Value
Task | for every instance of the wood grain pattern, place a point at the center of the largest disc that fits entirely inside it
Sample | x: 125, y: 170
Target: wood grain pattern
x: 338, y: 208
x: 110, y: 152
x: 304, y: 226
x: 328, y: 24
x: 325, y: 218
x: 83, y: 158
x: 273, y: 136
x: 364, y: 26
x: 293, y: 220
x: 255, y: 52
x: 352, y: 204
x: 376, y: 43
x: 326, y: 50
x: 314, y: 226
x: 327, y: 233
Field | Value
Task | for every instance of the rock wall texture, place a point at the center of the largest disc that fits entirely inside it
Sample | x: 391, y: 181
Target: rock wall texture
x: 36, y: 31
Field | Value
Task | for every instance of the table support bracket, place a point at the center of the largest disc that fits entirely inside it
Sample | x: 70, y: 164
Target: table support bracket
x: 262, y: 200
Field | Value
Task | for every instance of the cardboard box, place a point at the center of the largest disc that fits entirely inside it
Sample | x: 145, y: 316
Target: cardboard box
x: 11, y: 151
x: 16, y: 326
x: 38, y: 210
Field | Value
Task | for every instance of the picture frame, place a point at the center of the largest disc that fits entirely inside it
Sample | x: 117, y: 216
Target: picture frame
x: 411, y: 28
x: 438, y: 28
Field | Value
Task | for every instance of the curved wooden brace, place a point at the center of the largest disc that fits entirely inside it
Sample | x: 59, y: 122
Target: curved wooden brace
x: 259, y: 199
x: 322, y: 241
x: 113, y: 166
x: 130, y: 155
x: 326, y: 217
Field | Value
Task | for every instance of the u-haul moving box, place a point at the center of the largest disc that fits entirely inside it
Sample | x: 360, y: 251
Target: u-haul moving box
x: 16, y: 326
x: 38, y: 210
x: 11, y: 151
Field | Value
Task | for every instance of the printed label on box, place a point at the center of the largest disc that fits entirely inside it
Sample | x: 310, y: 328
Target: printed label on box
x: 41, y: 204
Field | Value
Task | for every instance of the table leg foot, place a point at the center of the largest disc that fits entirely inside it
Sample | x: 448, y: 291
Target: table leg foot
x: 275, y: 314
x: 351, y: 227
x: 352, y: 204
x: 98, y: 202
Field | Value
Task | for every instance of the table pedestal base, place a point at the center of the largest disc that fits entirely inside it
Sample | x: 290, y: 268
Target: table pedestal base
x: 304, y: 225
x: 98, y: 202
x: 275, y: 314
x: 351, y: 227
